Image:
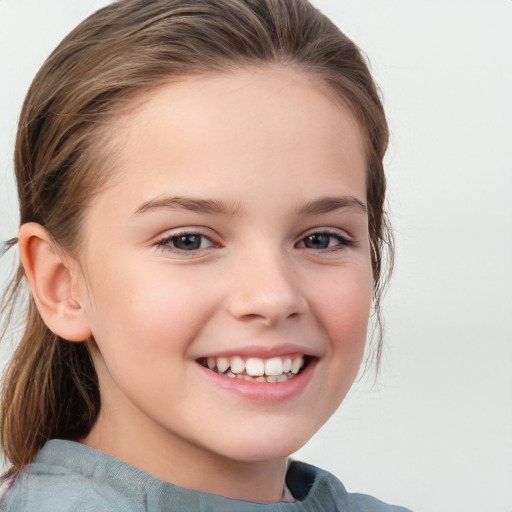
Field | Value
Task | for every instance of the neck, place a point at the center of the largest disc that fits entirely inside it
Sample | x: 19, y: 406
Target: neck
x: 187, y: 465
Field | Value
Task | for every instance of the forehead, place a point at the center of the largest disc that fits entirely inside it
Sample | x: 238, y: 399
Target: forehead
x: 238, y: 128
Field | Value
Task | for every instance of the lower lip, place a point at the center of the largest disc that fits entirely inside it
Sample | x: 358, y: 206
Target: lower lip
x: 263, y: 391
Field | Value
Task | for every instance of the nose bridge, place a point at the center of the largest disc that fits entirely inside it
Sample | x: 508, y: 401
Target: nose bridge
x: 265, y: 288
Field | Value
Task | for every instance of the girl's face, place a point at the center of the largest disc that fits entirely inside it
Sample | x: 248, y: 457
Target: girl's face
x: 235, y: 235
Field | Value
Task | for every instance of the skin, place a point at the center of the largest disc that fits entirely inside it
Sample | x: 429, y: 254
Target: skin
x: 265, y: 143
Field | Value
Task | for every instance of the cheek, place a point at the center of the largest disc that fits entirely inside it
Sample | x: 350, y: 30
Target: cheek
x: 344, y: 307
x: 148, y: 314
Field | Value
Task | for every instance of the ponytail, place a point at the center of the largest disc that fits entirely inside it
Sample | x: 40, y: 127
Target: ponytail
x: 49, y: 389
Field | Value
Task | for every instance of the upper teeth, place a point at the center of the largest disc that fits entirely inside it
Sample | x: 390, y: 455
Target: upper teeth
x: 257, y: 367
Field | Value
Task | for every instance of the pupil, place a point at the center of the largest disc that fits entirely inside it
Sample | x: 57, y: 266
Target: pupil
x: 187, y: 242
x: 317, y: 241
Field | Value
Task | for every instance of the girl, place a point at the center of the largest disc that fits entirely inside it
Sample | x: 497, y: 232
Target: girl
x: 202, y: 230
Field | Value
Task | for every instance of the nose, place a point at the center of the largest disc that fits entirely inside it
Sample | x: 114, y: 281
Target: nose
x: 266, y: 290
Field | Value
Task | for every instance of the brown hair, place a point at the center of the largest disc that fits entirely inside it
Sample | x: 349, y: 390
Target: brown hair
x: 50, y: 388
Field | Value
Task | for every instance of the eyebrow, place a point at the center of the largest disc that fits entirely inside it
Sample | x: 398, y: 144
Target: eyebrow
x: 330, y: 204
x: 315, y: 207
x: 190, y: 204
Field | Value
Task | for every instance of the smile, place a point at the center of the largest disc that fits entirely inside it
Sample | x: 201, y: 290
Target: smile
x: 272, y: 370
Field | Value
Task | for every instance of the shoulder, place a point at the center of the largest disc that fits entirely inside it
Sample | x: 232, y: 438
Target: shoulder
x: 364, y: 503
x: 40, y: 491
x: 319, y: 489
x: 47, y: 486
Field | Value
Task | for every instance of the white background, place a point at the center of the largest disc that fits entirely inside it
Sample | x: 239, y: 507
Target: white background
x: 435, y: 432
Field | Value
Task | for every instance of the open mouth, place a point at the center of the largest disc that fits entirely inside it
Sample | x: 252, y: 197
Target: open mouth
x: 272, y: 370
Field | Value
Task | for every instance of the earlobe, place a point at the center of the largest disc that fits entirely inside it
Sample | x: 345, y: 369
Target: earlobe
x: 51, y: 282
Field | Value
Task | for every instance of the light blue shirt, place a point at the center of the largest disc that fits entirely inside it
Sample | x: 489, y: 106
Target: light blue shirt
x: 70, y: 477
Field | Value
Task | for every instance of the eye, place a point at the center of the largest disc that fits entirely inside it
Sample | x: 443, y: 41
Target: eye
x: 186, y: 242
x: 325, y: 240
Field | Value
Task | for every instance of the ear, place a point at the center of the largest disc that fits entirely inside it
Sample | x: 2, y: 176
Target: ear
x: 51, y: 281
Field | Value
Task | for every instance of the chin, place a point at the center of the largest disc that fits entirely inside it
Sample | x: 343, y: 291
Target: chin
x: 266, y: 444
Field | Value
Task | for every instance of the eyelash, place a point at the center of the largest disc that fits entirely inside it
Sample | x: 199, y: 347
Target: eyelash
x: 167, y: 244
x: 343, y: 242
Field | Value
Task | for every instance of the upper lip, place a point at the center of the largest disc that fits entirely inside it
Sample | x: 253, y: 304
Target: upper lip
x: 265, y: 351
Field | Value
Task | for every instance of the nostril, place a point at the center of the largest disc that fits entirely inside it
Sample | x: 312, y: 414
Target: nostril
x: 268, y: 319
x: 266, y: 299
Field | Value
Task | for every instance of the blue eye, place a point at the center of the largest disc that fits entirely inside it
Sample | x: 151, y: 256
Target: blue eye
x: 321, y: 241
x: 187, y: 242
